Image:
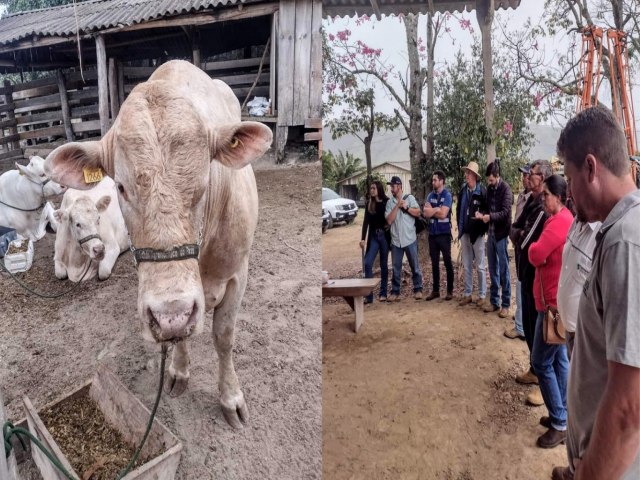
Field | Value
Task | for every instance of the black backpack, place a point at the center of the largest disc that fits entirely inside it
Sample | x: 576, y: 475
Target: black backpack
x: 421, y: 222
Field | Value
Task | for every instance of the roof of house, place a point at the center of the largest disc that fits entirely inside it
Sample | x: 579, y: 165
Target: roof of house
x: 349, y: 8
x: 400, y: 165
x: 96, y: 15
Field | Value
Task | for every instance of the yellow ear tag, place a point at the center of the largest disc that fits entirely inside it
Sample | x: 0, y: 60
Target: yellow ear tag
x: 92, y: 175
x: 234, y: 142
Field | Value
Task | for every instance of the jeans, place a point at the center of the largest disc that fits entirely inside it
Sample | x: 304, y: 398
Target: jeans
x: 518, y: 314
x: 551, y: 365
x: 499, y: 271
x: 473, y: 253
x: 529, y: 313
x: 437, y: 244
x: 377, y: 243
x: 397, y: 254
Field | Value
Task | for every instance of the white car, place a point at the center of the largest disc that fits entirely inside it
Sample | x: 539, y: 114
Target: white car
x: 340, y: 209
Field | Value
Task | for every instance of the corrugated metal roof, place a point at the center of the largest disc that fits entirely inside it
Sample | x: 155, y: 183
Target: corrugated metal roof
x: 349, y: 8
x: 95, y: 15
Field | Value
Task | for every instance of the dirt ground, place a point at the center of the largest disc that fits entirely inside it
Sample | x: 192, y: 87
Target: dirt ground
x: 49, y: 347
x: 424, y: 390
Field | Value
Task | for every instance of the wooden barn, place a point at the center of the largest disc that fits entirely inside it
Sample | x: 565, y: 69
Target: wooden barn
x: 69, y: 68
x: 348, y: 187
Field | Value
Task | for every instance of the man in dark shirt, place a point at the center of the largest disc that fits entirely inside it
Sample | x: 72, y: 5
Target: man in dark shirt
x: 437, y: 208
x: 500, y: 201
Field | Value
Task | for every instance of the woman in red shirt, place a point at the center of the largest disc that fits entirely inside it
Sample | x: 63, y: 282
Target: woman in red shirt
x: 550, y: 362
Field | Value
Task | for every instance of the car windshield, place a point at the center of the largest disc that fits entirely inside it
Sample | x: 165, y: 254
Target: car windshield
x: 328, y: 194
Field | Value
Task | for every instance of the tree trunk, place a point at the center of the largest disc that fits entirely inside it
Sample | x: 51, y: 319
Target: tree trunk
x: 431, y: 41
x: 485, y: 10
x: 414, y: 106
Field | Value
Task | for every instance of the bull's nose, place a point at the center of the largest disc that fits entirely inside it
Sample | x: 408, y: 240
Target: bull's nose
x: 172, y: 320
x: 98, y: 252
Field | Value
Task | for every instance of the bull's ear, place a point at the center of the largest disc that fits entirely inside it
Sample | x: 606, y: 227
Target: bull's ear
x: 59, y: 215
x: 239, y: 144
x: 103, y: 203
x: 66, y: 163
x: 21, y: 169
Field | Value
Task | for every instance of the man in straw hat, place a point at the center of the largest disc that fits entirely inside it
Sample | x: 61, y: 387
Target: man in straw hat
x: 471, y: 199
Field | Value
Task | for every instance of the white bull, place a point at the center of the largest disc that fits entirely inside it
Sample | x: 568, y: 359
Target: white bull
x: 23, y: 199
x: 179, y: 154
x: 91, y: 233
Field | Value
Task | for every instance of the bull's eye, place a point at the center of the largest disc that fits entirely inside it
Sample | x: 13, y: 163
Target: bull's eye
x: 78, y: 225
x: 121, y: 188
x: 234, y: 142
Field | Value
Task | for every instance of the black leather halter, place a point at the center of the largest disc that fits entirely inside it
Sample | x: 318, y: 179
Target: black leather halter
x: 89, y: 237
x: 182, y: 252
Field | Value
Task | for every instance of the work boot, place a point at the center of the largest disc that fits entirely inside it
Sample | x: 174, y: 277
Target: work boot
x: 465, y: 301
x: 418, y: 295
x: 527, y: 378
x: 535, y: 398
x: 394, y: 297
x: 551, y: 438
x: 561, y: 473
x: 504, y: 312
x: 490, y: 308
x: 513, y: 333
x: 449, y: 296
x: 545, y: 421
x: 432, y: 295
x: 382, y: 298
x: 480, y: 302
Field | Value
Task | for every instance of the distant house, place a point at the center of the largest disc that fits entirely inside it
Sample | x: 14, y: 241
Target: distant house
x: 348, y: 187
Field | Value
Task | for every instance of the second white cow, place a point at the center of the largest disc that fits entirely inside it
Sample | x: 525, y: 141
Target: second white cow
x: 91, y: 233
x: 23, y: 199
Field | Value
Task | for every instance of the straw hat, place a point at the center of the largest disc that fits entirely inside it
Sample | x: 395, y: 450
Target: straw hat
x: 473, y: 167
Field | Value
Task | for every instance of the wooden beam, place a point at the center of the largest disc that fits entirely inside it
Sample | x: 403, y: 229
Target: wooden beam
x: 8, y: 467
x: 11, y: 154
x: 286, y: 63
x: 7, y: 63
x: 64, y: 106
x: 195, y: 47
x: 302, y: 61
x: 103, y: 87
x: 312, y: 136
x: 35, y: 43
x: 113, y: 89
x: 204, y: 18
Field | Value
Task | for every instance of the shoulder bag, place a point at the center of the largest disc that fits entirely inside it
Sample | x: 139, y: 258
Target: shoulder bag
x: 553, y: 331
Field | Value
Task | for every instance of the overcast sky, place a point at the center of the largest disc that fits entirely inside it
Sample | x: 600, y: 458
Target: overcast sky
x: 388, y: 34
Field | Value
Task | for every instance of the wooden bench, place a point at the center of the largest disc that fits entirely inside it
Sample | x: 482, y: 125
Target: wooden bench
x: 353, y: 290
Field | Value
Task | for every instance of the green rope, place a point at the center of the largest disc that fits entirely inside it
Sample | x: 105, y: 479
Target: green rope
x: 153, y: 414
x: 9, y: 430
x: 46, y: 295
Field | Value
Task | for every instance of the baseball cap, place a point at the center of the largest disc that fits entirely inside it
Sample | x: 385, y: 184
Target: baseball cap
x: 525, y: 169
x: 395, y: 181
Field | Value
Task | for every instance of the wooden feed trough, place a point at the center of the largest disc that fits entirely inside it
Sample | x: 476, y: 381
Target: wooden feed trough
x: 126, y: 414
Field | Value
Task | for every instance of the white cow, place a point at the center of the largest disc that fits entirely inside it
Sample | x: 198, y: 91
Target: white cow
x: 179, y: 154
x: 91, y: 233
x: 23, y: 199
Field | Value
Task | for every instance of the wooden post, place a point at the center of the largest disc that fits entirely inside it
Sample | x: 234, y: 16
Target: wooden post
x: 485, y: 10
x: 195, y: 45
x: 8, y: 469
x: 282, y: 131
x: 273, y: 66
x: 8, y: 99
x: 103, y: 84
x: 113, y: 90
x: 64, y: 105
x: 120, y: 83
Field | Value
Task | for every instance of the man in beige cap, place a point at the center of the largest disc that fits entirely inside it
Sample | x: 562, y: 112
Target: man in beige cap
x: 471, y: 199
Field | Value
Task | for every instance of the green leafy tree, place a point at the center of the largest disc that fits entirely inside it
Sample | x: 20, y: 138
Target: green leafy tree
x: 460, y: 132
x: 13, y: 6
x: 338, y: 167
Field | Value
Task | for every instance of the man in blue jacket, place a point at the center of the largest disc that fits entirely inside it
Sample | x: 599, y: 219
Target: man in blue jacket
x: 472, y: 199
x: 437, y: 209
x: 500, y: 201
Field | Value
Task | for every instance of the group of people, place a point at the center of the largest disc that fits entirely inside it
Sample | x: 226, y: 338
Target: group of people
x: 577, y: 250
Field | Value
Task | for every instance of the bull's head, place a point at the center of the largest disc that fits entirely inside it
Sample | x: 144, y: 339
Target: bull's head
x: 158, y: 152
x: 34, y: 171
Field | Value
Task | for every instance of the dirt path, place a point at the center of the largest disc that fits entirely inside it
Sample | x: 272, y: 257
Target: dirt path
x: 424, y: 390
x: 49, y: 347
